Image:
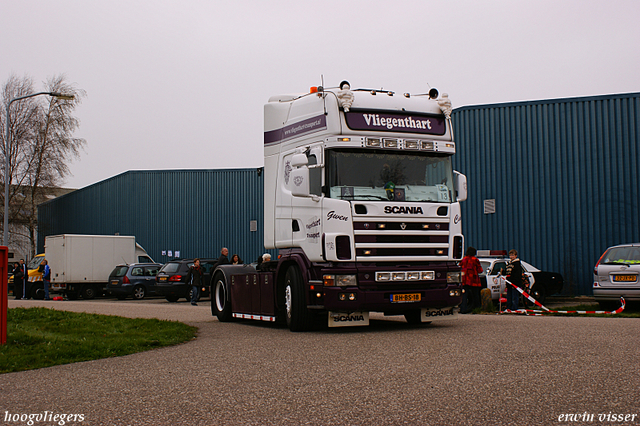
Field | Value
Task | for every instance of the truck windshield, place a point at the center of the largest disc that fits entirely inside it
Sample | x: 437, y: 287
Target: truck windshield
x: 379, y: 175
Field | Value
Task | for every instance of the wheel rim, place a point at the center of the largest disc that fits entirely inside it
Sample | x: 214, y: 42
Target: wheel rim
x: 287, y: 300
x: 220, y: 296
x: 138, y: 293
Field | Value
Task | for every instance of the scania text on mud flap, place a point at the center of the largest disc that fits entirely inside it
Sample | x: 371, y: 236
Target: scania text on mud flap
x: 362, y: 204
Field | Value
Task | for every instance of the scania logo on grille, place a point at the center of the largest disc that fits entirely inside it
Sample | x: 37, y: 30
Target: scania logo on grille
x: 402, y: 210
x: 403, y: 226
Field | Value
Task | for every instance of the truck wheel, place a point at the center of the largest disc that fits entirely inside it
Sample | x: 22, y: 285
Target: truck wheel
x: 172, y: 299
x: 298, y: 316
x: 37, y: 291
x: 139, y: 292
x: 88, y: 292
x: 220, y: 306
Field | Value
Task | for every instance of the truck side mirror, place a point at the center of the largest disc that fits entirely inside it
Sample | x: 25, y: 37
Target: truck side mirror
x: 299, y: 160
x: 461, y: 186
x: 299, y: 175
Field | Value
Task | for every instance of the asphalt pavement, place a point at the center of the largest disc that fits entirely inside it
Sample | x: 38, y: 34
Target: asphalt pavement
x: 473, y: 370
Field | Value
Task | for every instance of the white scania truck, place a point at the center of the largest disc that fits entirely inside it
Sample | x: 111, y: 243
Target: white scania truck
x: 362, y: 202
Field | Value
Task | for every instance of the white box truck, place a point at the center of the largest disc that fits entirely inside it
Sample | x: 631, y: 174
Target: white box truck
x: 81, y: 264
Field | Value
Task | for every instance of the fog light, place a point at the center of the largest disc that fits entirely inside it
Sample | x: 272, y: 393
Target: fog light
x: 427, y: 275
x: 373, y: 142
x: 342, y: 297
x: 318, y: 295
x: 411, y: 144
x: 383, y: 276
x: 391, y: 143
x: 413, y: 276
x: 427, y: 145
x: 399, y: 276
x: 352, y: 296
x: 454, y: 293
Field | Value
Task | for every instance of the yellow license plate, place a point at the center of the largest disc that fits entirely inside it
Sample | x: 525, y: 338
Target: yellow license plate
x: 114, y: 282
x: 410, y: 297
x: 162, y: 278
x: 625, y: 278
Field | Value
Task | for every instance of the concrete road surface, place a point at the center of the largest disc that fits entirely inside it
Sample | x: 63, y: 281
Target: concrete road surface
x: 475, y: 370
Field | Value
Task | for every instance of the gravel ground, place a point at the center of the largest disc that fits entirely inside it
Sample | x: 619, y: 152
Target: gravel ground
x: 475, y: 370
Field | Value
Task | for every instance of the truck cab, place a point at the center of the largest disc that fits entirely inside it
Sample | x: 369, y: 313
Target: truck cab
x: 362, y: 202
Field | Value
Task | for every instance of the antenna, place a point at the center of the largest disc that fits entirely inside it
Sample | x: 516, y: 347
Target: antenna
x: 324, y: 100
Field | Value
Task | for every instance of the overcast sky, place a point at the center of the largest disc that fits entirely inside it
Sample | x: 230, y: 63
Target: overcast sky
x: 182, y: 84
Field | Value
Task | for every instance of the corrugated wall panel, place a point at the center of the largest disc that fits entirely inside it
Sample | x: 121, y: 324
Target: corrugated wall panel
x: 564, y: 174
x: 193, y: 211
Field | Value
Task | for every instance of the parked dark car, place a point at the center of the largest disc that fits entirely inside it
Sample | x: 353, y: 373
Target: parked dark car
x: 170, y: 281
x: 137, y: 280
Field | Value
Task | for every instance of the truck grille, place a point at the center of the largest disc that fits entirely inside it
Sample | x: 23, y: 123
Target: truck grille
x: 398, y: 241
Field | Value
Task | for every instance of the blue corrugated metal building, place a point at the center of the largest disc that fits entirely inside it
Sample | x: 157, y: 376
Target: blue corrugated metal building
x: 194, y: 212
x: 558, y: 180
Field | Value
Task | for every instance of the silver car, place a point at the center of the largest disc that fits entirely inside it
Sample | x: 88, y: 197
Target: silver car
x: 616, y: 274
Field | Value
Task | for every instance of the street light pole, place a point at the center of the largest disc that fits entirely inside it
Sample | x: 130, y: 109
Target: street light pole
x: 7, y: 177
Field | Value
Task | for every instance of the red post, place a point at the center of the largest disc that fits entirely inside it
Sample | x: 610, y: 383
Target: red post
x: 4, y: 289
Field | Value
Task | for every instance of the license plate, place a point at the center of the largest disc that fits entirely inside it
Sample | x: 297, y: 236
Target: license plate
x: 114, y: 282
x: 625, y: 278
x: 401, y: 298
x: 162, y: 278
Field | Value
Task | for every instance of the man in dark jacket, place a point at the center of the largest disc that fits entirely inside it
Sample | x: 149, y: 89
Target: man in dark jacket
x: 18, y: 281
x: 222, y: 260
x: 514, y: 276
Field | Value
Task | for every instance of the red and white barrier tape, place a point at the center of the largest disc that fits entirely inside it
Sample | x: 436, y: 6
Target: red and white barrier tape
x: 548, y: 311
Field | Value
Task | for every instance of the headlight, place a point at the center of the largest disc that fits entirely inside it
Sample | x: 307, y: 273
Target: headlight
x: 340, y: 280
x: 453, y: 277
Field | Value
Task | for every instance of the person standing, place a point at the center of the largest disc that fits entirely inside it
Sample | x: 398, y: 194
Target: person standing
x: 18, y: 281
x: 222, y: 260
x: 514, y: 276
x: 25, y: 280
x: 194, y: 279
x: 46, y: 278
x: 471, y: 269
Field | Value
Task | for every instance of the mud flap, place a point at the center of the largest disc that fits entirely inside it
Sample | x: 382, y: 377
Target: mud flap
x: 437, y: 314
x: 348, y: 319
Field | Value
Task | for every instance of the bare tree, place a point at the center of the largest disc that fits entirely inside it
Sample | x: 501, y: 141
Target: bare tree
x: 42, y: 144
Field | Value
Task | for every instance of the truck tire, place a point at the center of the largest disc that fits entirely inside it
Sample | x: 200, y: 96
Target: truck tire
x: 297, y: 314
x: 139, y: 292
x: 37, y: 290
x: 220, y: 303
x: 88, y: 292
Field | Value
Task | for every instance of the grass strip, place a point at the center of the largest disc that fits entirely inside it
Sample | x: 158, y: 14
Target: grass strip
x: 42, y: 337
